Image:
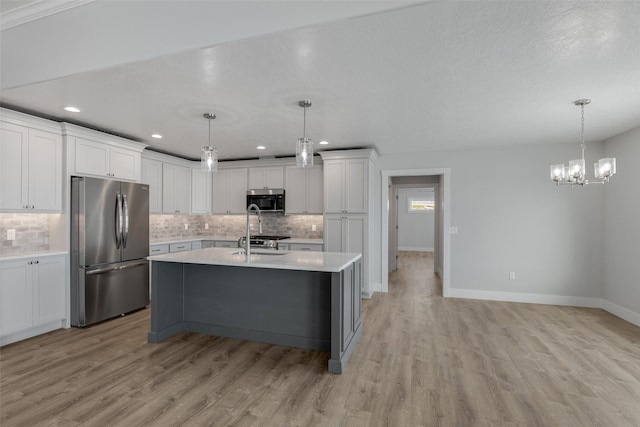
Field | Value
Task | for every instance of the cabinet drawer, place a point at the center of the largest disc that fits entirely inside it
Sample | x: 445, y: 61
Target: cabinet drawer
x: 226, y: 244
x: 158, y: 249
x: 208, y: 244
x: 180, y: 247
x: 196, y: 245
x: 305, y: 247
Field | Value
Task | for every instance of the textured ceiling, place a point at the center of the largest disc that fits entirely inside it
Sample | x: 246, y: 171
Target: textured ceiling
x: 433, y: 76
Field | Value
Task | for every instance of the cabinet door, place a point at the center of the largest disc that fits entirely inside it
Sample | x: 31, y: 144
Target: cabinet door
x: 45, y: 171
x: 237, y: 201
x: 355, y: 229
x: 200, y: 192
x: 13, y: 166
x: 220, y: 192
x: 274, y: 177
x: 92, y: 158
x: 356, y: 185
x: 271, y: 177
x: 314, y: 190
x: 334, y: 177
x: 48, y: 290
x: 176, y: 189
x: 256, y: 178
x: 152, y: 175
x: 125, y: 164
x: 296, y: 190
x: 333, y: 233
x: 16, y: 297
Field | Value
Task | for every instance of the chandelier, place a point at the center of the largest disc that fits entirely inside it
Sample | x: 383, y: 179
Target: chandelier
x: 575, y: 173
x: 209, y: 156
x: 304, y: 146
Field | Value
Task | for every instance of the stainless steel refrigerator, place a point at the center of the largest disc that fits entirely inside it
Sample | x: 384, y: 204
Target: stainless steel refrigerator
x: 109, y: 244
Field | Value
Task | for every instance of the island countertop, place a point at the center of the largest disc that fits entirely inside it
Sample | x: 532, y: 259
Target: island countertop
x: 331, y: 262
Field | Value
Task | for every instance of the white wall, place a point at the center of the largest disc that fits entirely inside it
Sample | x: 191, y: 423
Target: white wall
x: 621, y: 227
x: 415, y: 229
x: 511, y: 217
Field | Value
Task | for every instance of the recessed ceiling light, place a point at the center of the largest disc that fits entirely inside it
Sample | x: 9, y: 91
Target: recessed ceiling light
x: 156, y: 135
x: 261, y: 147
x: 323, y: 142
x: 72, y: 109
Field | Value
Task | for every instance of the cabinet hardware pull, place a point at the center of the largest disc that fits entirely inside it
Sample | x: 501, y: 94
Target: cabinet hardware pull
x: 37, y: 262
x: 29, y: 262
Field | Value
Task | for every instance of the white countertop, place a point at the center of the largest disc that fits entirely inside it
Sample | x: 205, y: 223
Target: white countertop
x: 193, y: 239
x: 330, y: 262
x: 231, y: 239
x: 31, y: 255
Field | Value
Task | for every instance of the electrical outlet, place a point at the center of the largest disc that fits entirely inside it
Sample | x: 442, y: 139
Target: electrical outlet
x: 313, y: 227
x: 206, y: 226
x: 186, y: 226
x: 11, y: 234
x: 512, y: 275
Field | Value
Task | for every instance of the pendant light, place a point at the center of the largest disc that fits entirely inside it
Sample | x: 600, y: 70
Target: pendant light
x: 575, y: 173
x: 209, y: 157
x: 304, y: 146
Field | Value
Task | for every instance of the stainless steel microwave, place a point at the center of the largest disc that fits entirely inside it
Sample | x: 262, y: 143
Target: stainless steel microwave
x: 267, y: 200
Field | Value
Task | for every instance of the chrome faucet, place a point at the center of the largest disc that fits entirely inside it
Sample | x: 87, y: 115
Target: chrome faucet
x: 255, y: 207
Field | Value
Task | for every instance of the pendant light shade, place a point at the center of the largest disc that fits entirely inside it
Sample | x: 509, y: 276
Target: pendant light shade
x: 209, y: 156
x: 304, y: 146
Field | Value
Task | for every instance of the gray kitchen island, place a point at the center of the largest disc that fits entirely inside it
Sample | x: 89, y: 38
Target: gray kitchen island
x: 299, y: 299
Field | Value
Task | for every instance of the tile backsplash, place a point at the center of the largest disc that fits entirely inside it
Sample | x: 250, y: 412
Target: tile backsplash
x: 33, y: 230
x: 168, y: 227
x: 32, y: 233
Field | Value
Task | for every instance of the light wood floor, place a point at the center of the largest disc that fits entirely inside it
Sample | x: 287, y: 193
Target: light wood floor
x: 422, y: 361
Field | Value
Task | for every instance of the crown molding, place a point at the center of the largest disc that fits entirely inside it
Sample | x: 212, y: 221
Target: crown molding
x: 36, y: 10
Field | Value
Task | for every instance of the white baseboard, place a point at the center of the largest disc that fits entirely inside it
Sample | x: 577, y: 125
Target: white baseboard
x: 367, y: 294
x: 526, y: 298
x: 617, y: 310
x: 621, y: 312
x: 414, y: 249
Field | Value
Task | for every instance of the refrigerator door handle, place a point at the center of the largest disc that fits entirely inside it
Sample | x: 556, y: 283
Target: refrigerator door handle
x: 118, y: 221
x: 125, y: 235
x: 114, y: 268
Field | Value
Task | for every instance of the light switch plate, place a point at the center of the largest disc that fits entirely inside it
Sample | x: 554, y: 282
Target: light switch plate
x: 11, y: 234
x: 453, y: 230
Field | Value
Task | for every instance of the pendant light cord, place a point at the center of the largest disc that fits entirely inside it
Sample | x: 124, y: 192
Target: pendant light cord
x: 582, y: 145
x: 304, y: 123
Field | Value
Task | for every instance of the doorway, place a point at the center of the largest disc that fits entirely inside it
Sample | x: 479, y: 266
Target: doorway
x: 439, y: 181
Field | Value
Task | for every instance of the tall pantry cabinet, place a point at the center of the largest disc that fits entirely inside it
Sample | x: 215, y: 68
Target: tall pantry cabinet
x: 347, y: 205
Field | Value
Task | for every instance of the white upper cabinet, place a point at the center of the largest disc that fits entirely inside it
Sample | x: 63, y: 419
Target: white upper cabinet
x: 30, y: 168
x: 230, y: 191
x: 92, y: 153
x: 176, y: 189
x: 347, y: 186
x: 303, y: 190
x: 96, y: 158
x: 265, y: 178
x: 152, y: 175
x: 200, y: 192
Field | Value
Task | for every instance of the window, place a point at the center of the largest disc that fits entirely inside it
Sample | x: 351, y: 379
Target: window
x: 420, y: 204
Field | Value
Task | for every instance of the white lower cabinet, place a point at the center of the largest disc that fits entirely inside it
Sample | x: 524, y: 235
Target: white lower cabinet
x: 31, y: 296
